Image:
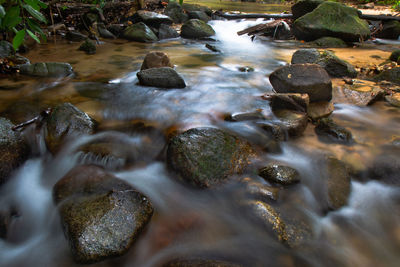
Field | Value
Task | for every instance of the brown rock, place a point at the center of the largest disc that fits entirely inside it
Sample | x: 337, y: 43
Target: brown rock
x: 156, y: 60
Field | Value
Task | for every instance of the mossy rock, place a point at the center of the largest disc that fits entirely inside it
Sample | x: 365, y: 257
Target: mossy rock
x: 394, y: 56
x: 206, y: 157
x: 390, y: 30
x: 391, y: 75
x: 194, y: 7
x: 330, y: 42
x: 334, y: 20
x: 335, y: 66
x: 280, y: 174
x: 88, y: 47
x: 302, y: 7
x: 140, y: 32
x: 196, y: 29
x: 47, y: 69
x: 176, y: 12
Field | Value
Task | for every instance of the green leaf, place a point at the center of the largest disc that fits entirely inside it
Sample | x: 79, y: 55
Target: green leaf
x: 18, y: 39
x: 11, y: 22
x: 2, y: 12
x: 33, y: 3
x: 42, y: 5
x: 34, y: 26
x: 34, y: 37
x: 36, y: 14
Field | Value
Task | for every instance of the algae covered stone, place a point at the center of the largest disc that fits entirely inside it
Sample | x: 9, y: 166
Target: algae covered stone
x: 196, y: 29
x: 140, y: 32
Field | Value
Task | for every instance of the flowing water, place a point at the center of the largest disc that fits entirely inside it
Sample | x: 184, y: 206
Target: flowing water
x: 191, y: 222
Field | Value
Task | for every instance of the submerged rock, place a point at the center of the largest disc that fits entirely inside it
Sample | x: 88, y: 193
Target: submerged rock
x: 302, y: 7
x: 156, y: 60
x: 49, y: 69
x: 88, y: 47
x: 293, y: 123
x: 360, y: 93
x: 311, y: 79
x: 13, y: 150
x: 206, y: 157
x: 163, y: 77
x: 65, y: 123
x: 140, y: 32
x: 328, y: 129
x: 334, y: 20
x: 196, y: 29
x: 102, y: 216
x: 386, y: 166
x: 259, y: 191
x: 280, y: 174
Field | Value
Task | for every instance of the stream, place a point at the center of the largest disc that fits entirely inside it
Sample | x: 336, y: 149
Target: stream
x: 203, y: 223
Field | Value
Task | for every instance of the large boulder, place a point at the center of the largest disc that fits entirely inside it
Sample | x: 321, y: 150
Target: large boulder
x: 303, y: 7
x: 331, y: 19
x: 205, y: 157
x: 196, y: 29
x: 139, y: 32
x: 152, y: 19
x: 65, y: 123
x: 390, y: 30
x: 310, y: 79
x: 49, y: 69
x: 13, y: 150
x: 164, y: 77
x: 305, y: 55
x: 102, y: 216
x: 176, y: 13
x: 156, y: 60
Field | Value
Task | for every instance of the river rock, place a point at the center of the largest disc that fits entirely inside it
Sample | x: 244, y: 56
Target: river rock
x: 197, y: 262
x: 394, y: 56
x: 201, y: 15
x: 74, y: 36
x: 156, y: 60
x: 302, y: 7
x: 293, y: 123
x: 139, y: 32
x: 194, y: 7
x: 245, y: 116
x: 391, y: 75
x: 116, y: 29
x: 318, y: 110
x: 164, y: 77
x: 390, y: 30
x: 206, y: 157
x: 176, y: 13
x: 6, y: 49
x: 330, y: 42
x: 14, y: 150
x: 360, y: 93
x: 334, y: 20
x: 385, y: 167
x: 152, y: 19
x: 47, y: 69
x: 297, y: 102
x: 167, y: 32
x: 393, y: 99
x: 328, y: 129
x: 104, y: 32
x: 196, y: 29
x: 259, y: 191
x: 280, y: 174
x: 102, y: 216
x: 65, y: 123
x: 310, y: 79
x: 88, y: 47
x: 306, y: 55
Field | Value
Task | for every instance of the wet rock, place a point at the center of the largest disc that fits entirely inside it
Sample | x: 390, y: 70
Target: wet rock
x: 297, y: 102
x: 310, y: 79
x: 206, y: 157
x: 102, y: 216
x: 194, y: 7
x: 88, y: 47
x: 47, y: 69
x: 6, y: 49
x: 167, y: 32
x: 330, y: 42
x: 337, y: 181
x: 66, y: 122
x: 329, y: 130
x: 394, y: 56
x: 274, y: 130
x: 360, y: 93
x: 176, y: 13
x: 201, y: 15
x: 280, y: 174
x: 386, y: 167
x: 334, y: 20
x: 152, y: 19
x: 245, y: 116
x: 116, y: 29
x: 104, y: 32
x: 260, y: 191
x: 18, y: 60
x: 91, y: 17
x: 199, y: 263
x: 139, y: 32
x: 303, y: 7
x: 292, y: 122
x: 156, y: 60
x: 74, y: 36
x: 307, y: 55
x: 13, y: 150
x: 196, y: 29
x: 393, y: 99
x: 163, y: 77
x: 390, y: 30
x: 318, y: 110
x: 391, y: 75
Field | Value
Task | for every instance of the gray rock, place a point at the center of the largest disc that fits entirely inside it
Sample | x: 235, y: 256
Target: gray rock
x: 330, y: 42
x: 310, y: 79
x: 279, y: 174
x: 164, y: 77
x: 385, y: 167
x: 13, y: 150
x: 156, y: 60
x: 176, y: 13
x: 329, y: 130
x: 139, y: 32
x: 116, y: 29
x: 6, y: 49
x: 199, y: 262
x: 102, y: 216
x: 307, y: 55
x: 292, y: 101
x: 167, y: 32
x: 65, y: 123
x: 318, y: 110
x: 201, y: 15
x: 152, y: 19
x: 103, y: 32
x: 206, y: 157
x: 196, y: 29
x: 47, y: 69
x: 390, y: 30
x: 194, y: 7
x: 302, y: 7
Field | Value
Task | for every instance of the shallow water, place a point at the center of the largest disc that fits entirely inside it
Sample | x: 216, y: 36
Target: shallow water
x: 190, y: 222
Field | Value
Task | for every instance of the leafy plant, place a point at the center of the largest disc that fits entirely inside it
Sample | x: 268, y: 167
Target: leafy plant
x: 396, y: 5
x: 22, y: 17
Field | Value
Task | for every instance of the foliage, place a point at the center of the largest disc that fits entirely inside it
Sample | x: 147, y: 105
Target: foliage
x: 180, y: 1
x: 396, y: 5
x: 22, y: 17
